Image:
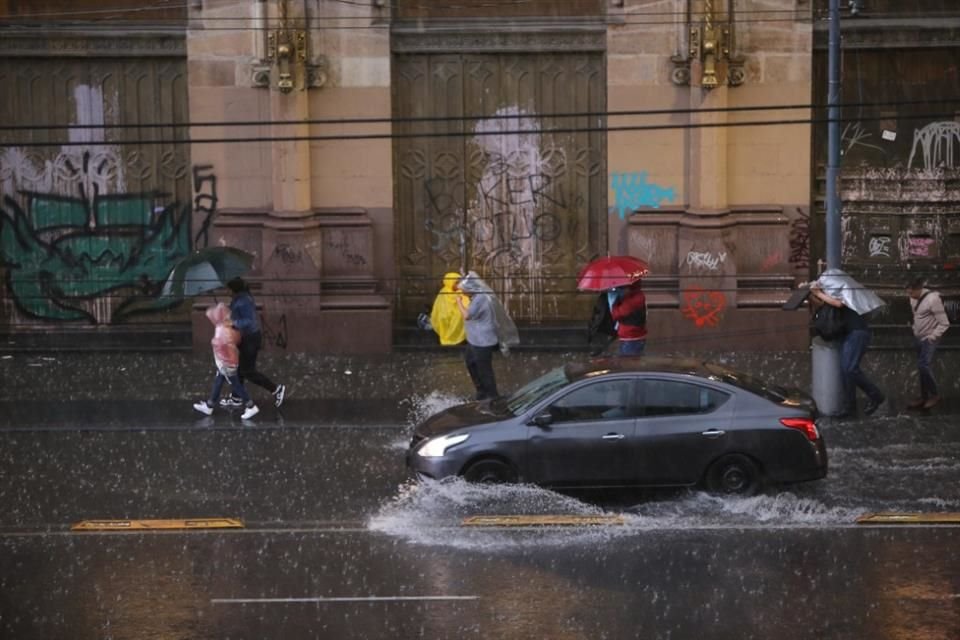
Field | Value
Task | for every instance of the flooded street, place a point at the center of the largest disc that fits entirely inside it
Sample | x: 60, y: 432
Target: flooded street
x: 339, y: 543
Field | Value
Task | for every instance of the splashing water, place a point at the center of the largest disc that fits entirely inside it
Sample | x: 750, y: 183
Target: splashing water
x: 430, y: 513
x: 419, y: 408
x: 422, y: 407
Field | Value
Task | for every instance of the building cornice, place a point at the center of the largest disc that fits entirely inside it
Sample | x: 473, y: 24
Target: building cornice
x: 498, y: 36
x: 18, y: 42
x: 871, y: 33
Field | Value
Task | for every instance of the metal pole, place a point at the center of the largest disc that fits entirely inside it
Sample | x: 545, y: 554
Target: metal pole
x: 833, y: 139
x: 827, y: 380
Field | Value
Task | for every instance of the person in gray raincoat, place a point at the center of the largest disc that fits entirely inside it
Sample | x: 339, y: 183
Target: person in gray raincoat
x: 488, y: 327
x: 855, y: 303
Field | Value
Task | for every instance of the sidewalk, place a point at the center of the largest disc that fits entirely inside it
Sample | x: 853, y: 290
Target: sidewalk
x: 182, y: 377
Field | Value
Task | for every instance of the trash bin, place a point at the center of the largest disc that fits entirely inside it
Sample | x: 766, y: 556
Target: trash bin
x: 827, y: 377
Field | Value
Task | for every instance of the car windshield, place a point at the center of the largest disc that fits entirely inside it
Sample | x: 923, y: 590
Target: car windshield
x: 536, y: 390
x: 751, y: 383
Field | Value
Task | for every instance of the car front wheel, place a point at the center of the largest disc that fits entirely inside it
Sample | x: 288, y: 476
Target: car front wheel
x: 490, y: 471
x: 733, y: 475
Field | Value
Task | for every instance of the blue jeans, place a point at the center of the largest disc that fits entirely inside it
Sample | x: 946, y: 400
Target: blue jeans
x: 925, y: 352
x: 237, y: 388
x: 852, y: 350
x: 632, y: 347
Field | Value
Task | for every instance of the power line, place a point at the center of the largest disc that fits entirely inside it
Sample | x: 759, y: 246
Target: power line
x: 475, y: 117
x: 471, y: 134
x: 436, y: 7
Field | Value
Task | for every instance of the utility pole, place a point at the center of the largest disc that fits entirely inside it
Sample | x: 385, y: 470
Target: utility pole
x: 833, y: 138
x: 827, y: 388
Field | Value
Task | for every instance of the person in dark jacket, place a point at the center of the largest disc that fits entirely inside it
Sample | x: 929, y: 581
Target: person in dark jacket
x: 243, y: 311
x: 853, y: 347
x: 628, y: 308
x: 601, y: 324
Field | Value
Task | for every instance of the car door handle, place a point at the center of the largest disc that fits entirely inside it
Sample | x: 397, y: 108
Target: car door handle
x: 613, y: 436
x: 713, y: 433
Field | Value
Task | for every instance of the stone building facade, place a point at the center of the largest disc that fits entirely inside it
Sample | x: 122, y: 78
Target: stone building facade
x: 360, y: 150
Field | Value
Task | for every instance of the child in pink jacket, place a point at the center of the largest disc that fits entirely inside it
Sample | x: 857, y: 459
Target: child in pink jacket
x: 226, y: 355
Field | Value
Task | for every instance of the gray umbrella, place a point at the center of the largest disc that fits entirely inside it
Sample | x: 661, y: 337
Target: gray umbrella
x: 205, y: 270
x: 840, y: 285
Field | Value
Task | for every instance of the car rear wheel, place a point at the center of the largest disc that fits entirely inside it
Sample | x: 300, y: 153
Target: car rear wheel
x: 734, y: 475
x: 490, y: 471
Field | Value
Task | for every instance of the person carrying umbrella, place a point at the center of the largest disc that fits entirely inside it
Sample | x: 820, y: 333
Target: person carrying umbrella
x: 620, y: 278
x: 628, y: 307
x: 226, y: 355
x: 243, y: 309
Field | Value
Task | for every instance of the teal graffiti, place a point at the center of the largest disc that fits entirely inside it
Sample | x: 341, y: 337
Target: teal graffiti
x: 631, y: 191
x: 62, y: 253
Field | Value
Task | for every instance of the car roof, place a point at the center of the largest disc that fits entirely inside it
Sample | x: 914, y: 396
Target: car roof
x: 638, y: 364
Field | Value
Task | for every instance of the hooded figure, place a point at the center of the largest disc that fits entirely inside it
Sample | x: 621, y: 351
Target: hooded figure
x: 487, y: 326
x: 506, y: 329
x: 445, y: 317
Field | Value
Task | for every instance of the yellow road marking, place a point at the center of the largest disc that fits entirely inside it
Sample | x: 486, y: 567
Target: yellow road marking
x: 909, y: 518
x: 150, y: 525
x: 541, y: 521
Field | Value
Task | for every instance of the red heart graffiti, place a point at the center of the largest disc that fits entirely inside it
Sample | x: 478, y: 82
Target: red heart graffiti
x: 705, y: 308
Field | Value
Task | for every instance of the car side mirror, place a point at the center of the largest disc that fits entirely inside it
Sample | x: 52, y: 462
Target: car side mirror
x: 542, y: 420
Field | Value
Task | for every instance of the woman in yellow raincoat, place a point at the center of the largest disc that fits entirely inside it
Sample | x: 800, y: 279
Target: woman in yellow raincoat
x: 445, y: 317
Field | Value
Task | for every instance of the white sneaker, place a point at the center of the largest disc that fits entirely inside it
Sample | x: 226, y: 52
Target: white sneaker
x: 279, y: 393
x: 203, y: 407
x: 249, y: 412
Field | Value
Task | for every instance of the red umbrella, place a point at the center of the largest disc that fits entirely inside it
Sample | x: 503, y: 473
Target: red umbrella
x: 611, y: 271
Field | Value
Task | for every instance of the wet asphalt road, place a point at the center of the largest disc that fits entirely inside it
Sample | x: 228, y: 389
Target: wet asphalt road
x: 338, y: 543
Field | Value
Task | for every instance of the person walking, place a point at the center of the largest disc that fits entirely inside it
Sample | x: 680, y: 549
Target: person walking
x: 243, y: 310
x: 226, y: 356
x: 488, y: 327
x: 930, y: 322
x: 601, y: 324
x: 446, y: 320
x: 853, y: 346
x: 628, y: 308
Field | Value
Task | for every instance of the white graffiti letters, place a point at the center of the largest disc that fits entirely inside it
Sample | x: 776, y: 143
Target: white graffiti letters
x: 706, y: 260
x: 880, y: 246
x: 937, y: 141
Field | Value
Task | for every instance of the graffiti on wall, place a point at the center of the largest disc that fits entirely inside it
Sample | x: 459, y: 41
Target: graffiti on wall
x: 494, y: 224
x: 515, y: 208
x: 205, y: 201
x: 879, y: 246
x: 920, y: 246
x: 939, y: 145
x: 75, y: 245
x: 274, y: 334
x: 702, y: 307
x: 800, y: 239
x: 705, y: 260
x: 632, y: 191
x: 854, y: 135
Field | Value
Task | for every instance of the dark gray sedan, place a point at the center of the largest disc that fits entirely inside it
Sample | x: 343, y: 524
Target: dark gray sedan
x: 623, y: 422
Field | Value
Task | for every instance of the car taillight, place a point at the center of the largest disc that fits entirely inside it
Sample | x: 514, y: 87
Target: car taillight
x: 806, y: 425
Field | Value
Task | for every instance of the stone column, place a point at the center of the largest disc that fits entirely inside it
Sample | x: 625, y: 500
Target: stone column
x: 707, y: 265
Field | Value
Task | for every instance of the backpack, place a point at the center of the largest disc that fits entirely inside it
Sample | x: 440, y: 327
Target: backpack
x: 829, y: 322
